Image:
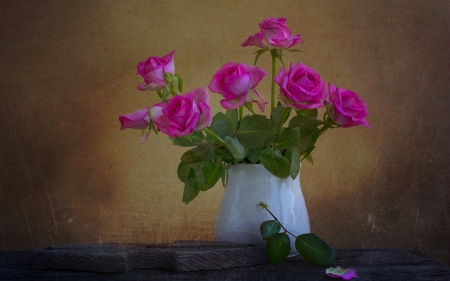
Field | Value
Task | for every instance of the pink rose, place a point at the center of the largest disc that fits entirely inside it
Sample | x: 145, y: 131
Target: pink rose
x: 152, y: 70
x: 236, y: 83
x: 274, y: 34
x: 300, y: 87
x: 183, y: 114
x: 135, y: 120
x: 346, y: 108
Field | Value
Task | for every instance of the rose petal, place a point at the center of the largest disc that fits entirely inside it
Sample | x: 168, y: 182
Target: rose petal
x: 256, y: 75
x: 138, y: 119
x: 339, y: 272
x: 145, y: 136
x: 232, y: 104
x: 255, y: 96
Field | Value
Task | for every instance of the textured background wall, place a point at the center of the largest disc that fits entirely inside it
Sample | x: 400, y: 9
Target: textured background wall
x: 68, y: 175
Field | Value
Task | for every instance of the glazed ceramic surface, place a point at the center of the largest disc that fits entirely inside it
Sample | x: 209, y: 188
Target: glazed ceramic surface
x: 239, y: 216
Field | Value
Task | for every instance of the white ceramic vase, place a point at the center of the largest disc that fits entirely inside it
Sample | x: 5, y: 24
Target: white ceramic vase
x: 239, y: 216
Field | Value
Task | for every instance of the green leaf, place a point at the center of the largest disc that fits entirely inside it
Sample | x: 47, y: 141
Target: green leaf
x: 304, y: 144
x: 219, y: 127
x: 269, y: 229
x: 281, y: 60
x: 275, y: 162
x: 159, y: 93
x: 306, y: 124
x: 224, y: 176
x: 200, y: 177
x: 310, y: 146
x: 289, y: 139
x: 173, y: 90
x: 189, y: 140
x: 258, y: 53
x: 191, y: 188
x: 168, y: 77
x: 179, y: 82
x: 165, y: 93
x: 278, y: 247
x: 231, y: 120
x: 218, y: 116
x: 309, y: 158
x: 208, y: 160
x: 183, y: 170
x: 249, y: 106
x: 253, y: 155
x: 277, y: 113
x: 239, y: 152
x: 224, y: 155
x: 212, y: 174
x: 314, y: 249
x: 254, y: 131
x: 195, y: 154
x: 293, y: 155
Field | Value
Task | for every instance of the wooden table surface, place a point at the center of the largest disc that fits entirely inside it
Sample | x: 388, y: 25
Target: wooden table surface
x: 370, y: 264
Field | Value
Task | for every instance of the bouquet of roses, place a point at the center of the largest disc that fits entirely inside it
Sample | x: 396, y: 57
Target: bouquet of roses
x: 278, y: 142
x: 224, y: 139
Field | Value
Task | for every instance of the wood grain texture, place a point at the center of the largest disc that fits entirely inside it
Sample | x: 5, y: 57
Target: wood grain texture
x: 370, y: 265
x: 180, y: 256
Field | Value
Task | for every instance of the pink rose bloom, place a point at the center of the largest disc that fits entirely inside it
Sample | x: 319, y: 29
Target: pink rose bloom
x: 300, y: 87
x: 274, y: 34
x: 135, y: 120
x: 346, y: 108
x: 183, y: 114
x: 236, y: 83
x: 152, y: 70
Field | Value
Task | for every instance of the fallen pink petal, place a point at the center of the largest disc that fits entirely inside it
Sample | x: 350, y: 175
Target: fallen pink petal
x: 339, y: 272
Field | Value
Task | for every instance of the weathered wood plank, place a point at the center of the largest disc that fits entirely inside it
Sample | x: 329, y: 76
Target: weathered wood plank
x: 179, y: 256
x: 370, y: 264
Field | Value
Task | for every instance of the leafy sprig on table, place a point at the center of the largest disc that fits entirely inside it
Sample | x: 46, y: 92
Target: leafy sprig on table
x: 314, y: 249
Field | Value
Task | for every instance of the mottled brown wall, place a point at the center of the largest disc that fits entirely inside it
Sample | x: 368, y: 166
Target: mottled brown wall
x: 68, y: 175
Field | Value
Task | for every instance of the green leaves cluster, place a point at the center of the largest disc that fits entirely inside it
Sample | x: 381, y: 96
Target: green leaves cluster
x: 253, y: 139
x: 314, y: 249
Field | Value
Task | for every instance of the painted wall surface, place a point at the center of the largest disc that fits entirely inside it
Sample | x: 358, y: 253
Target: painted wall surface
x: 69, y: 175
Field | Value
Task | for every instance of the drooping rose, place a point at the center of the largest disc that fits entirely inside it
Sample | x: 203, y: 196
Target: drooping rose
x: 346, y: 108
x: 183, y: 114
x: 236, y: 83
x: 138, y: 119
x: 152, y: 70
x: 274, y: 34
x: 300, y: 87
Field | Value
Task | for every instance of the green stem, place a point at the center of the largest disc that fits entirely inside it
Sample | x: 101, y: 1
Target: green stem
x: 241, y: 112
x: 274, y: 71
x: 325, y: 127
x: 267, y: 209
x: 214, y: 135
x: 284, y: 116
